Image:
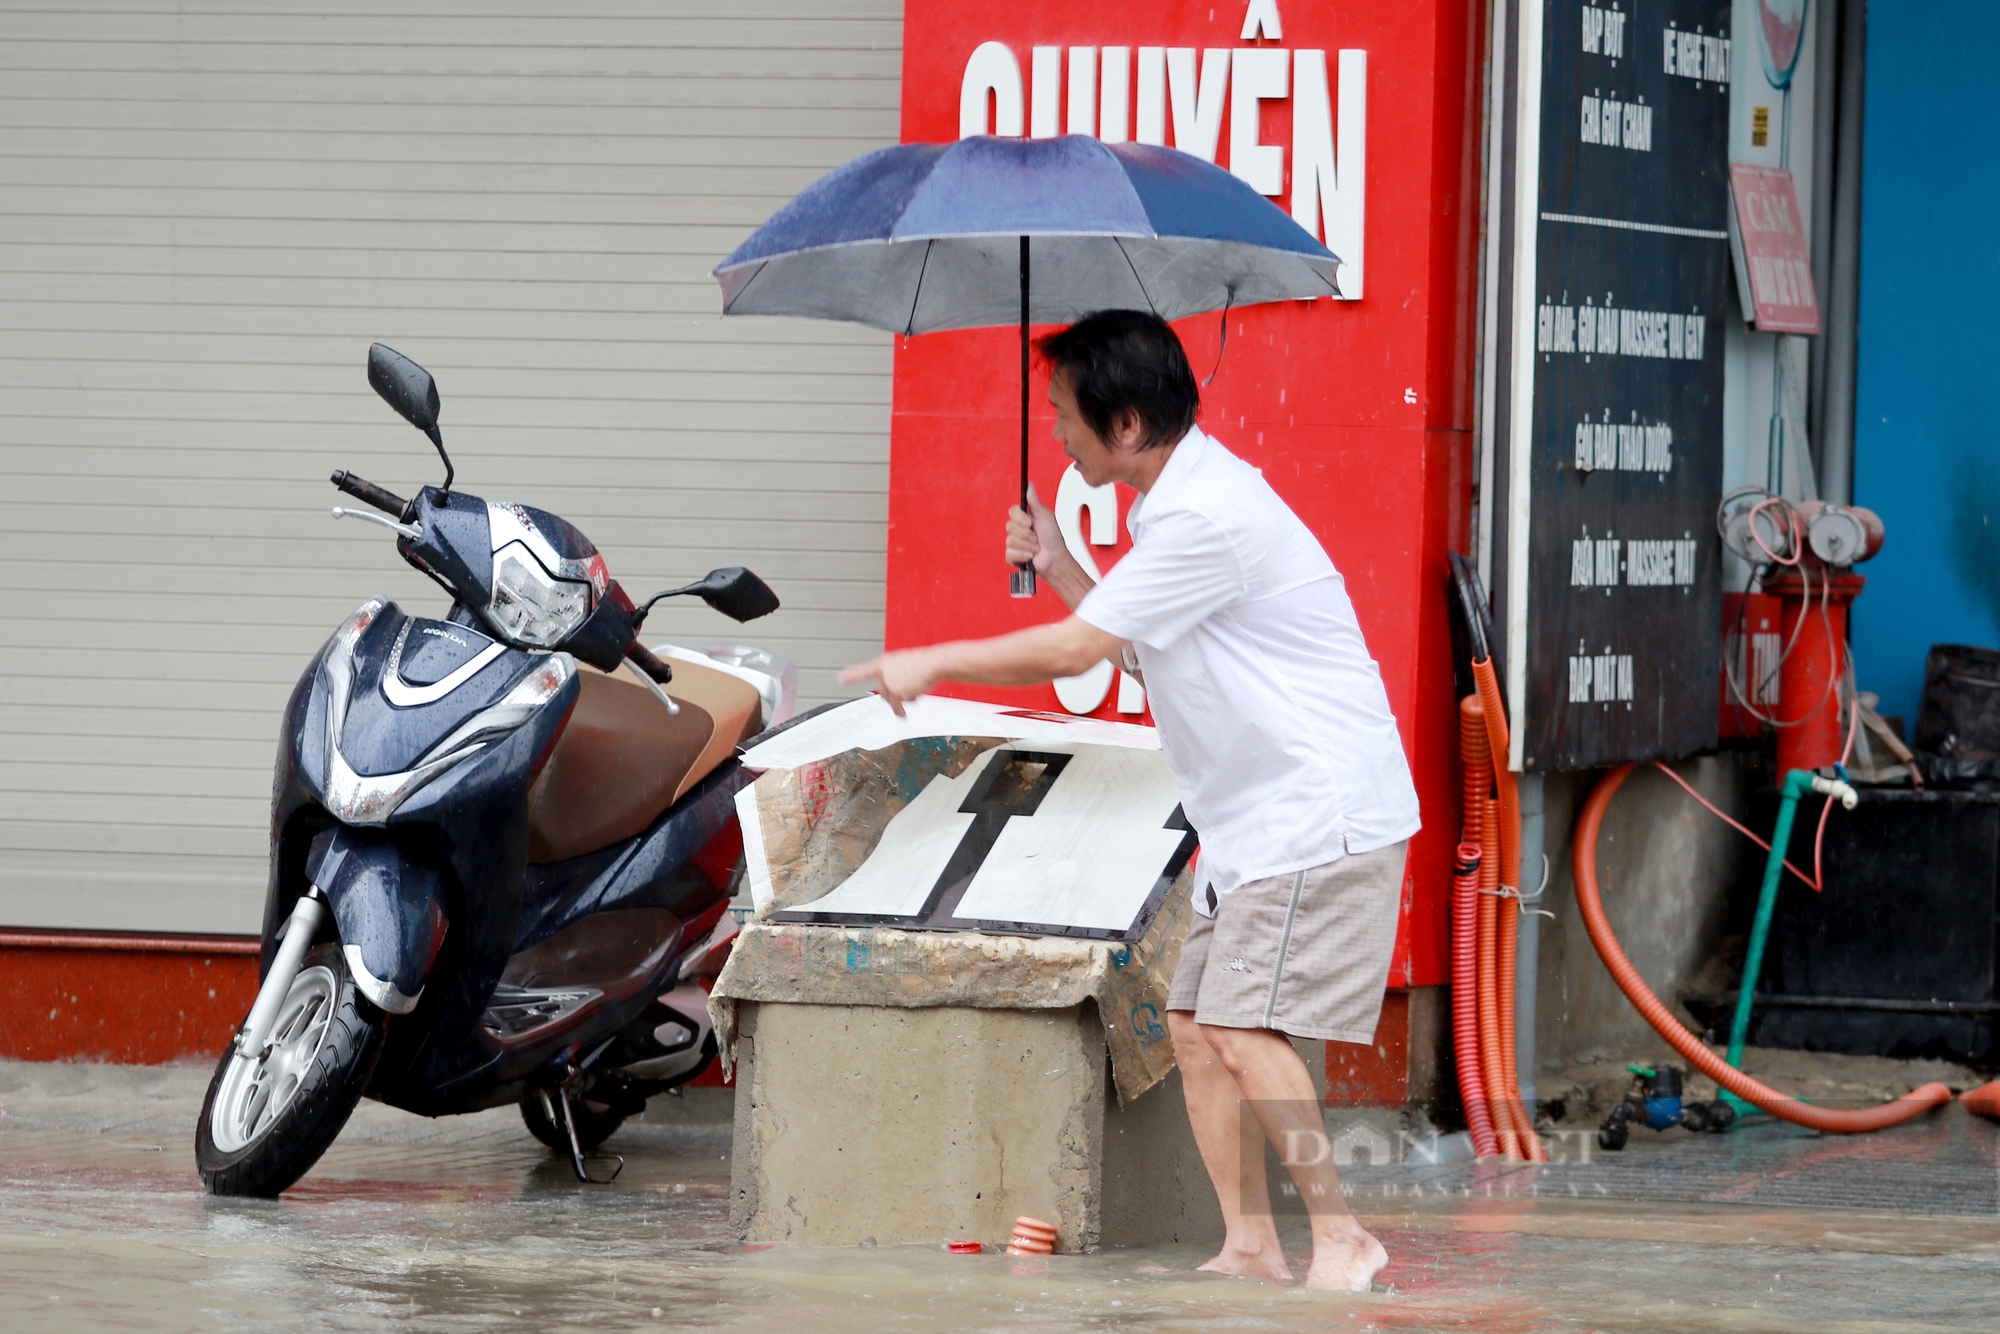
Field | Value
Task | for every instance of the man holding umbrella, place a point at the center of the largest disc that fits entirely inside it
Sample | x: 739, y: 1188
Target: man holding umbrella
x: 1269, y: 708
x: 1278, y: 728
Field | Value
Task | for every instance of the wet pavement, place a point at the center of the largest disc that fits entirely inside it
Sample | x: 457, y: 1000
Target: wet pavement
x: 468, y: 1224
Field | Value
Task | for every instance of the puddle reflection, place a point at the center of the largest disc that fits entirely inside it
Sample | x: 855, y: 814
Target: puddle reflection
x: 98, y: 1232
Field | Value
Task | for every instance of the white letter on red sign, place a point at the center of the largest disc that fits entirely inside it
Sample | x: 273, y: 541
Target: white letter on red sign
x: 1116, y: 87
x: 1317, y: 184
x: 1259, y: 77
x: 1152, y: 120
x: 1083, y: 90
x: 1046, y: 95
x: 1197, y: 112
x: 992, y: 70
x: 1261, y: 19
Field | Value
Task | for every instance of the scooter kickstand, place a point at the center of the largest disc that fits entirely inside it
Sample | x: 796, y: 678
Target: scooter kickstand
x: 565, y: 1096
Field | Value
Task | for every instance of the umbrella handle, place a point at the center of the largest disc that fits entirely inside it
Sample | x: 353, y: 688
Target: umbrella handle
x: 1021, y: 579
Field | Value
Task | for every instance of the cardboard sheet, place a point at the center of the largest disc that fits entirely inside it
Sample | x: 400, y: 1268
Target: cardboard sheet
x: 1031, y: 837
x: 868, y: 724
x: 911, y: 854
x: 1093, y: 851
x: 807, y: 829
x: 1083, y: 835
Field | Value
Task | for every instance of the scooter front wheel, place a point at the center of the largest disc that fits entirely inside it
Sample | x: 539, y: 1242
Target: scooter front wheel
x: 270, y: 1114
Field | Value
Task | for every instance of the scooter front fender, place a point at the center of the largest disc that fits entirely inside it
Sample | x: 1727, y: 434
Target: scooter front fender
x: 389, y: 909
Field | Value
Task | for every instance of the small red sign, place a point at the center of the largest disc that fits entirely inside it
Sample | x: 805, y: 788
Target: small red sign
x: 1773, y: 253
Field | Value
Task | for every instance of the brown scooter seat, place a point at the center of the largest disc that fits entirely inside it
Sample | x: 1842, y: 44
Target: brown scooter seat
x: 623, y: 758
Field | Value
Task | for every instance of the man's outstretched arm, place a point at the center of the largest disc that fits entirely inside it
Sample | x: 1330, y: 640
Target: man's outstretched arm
x: 1025, y: 657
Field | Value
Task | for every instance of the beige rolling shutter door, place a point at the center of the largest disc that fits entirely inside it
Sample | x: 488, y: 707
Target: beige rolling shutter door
x: 206, y: 217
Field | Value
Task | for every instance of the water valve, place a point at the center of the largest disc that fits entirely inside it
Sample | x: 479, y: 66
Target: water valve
x: 1841, y: 535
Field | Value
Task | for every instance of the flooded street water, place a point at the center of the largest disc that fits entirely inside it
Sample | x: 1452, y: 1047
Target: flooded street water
x: 467, y: 1224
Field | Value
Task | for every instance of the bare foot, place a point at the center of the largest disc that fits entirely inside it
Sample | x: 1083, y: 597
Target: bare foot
x: 1347, y: 1261
x: 1266, y: 1262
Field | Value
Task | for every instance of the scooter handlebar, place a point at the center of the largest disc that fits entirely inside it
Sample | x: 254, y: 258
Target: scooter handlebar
x: 643, y: 658
x: 370, y: 494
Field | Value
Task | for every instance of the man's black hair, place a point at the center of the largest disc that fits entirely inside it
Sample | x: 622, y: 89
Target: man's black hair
x: 1121, y: 361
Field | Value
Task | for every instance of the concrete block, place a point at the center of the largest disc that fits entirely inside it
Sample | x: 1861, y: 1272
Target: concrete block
x: 859, y: 1124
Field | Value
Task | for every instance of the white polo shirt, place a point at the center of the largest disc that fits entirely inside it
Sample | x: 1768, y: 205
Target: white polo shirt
x: 1269, y: 708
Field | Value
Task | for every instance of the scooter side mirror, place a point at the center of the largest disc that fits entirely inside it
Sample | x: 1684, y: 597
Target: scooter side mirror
x: 410, y: 390
x: 736, y: 593
x: 404, y: 386
x: 731, y: 590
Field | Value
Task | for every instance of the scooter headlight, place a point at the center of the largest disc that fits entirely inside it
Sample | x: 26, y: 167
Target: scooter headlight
x: 531, y: 606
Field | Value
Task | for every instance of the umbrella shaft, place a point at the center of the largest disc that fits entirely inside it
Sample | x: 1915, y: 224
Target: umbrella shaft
x: 1024, y: 371
x: 1022, y: 582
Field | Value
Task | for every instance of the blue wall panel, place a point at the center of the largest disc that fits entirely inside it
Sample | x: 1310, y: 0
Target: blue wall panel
x: 1927, y: 412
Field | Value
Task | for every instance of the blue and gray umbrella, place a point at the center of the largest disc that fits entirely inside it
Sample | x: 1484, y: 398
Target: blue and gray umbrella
x: 924, y: 237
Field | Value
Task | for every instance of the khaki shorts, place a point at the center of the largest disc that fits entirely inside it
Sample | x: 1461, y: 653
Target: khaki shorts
x: 1306, y: 953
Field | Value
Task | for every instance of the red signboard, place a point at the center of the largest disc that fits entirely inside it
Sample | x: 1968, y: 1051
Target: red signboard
x: 1773, y: 253
x: 1360, y: 120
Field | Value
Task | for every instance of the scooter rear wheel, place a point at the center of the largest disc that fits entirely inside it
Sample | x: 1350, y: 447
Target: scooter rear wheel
x: 269, y: 1117
x: 595, y: 1121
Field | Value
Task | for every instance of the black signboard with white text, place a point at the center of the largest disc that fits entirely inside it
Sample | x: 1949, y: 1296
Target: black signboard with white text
x: 1624, y: 470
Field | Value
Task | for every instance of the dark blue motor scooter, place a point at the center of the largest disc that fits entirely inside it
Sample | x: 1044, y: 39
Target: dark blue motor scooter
x: 501, y: 842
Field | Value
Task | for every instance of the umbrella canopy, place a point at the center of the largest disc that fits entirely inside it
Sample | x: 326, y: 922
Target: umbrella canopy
x: 923, y: 237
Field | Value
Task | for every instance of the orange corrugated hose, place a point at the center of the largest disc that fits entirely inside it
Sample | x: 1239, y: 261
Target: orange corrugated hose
x: 1498, y: 1095
x: 1465, y: 931
x: 1479, y: 829
x: 1508, y: 910
x: 1509, y: 839
x: 1591, y: 907
x: 1465, y: 1001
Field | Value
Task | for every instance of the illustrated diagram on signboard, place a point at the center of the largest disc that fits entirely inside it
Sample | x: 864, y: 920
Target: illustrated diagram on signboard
x: 1617, y: 568
x: 1035, y: 837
